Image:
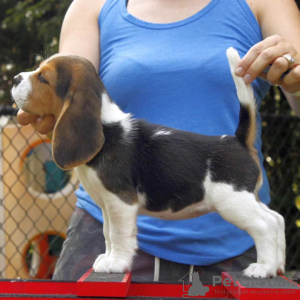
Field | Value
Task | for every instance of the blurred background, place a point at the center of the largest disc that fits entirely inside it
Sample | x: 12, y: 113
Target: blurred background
x: 37, y: 198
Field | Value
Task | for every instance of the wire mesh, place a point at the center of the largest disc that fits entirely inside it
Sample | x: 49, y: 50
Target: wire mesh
x: 37, y: 200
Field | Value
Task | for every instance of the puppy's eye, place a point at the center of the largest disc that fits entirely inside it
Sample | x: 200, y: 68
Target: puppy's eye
x: 42, y: 79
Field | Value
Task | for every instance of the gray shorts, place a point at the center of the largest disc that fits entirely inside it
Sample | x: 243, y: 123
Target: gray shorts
x: 85, y: 241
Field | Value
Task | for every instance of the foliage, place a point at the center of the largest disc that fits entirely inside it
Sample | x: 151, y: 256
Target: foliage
x: 29, y: 32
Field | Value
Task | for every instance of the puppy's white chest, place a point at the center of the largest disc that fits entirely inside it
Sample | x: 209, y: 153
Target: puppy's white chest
x: 91, y: 183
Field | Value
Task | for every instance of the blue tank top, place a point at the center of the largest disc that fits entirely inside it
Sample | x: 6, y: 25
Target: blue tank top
x: 177, y: 75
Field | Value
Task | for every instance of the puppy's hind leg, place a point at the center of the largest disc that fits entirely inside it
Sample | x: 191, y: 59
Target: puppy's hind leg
x: 281, y: 238
x: 242, y: 210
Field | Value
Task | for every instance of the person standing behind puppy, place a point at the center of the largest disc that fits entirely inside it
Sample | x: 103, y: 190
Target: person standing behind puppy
x: 165, y: 61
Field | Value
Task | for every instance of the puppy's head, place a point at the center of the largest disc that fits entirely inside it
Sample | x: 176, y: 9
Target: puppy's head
x: 68, y: 87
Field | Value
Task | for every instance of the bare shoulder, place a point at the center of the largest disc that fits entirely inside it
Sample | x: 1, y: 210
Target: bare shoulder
x: 277, y: 8
x: 80, y: 33
x: 93, y: 7
x: 278, y: 17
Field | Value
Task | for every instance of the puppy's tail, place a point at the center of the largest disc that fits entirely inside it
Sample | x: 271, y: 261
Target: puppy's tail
x: 246, y: 131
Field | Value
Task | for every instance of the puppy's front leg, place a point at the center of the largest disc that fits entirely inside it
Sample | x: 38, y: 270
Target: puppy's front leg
x: 122, y: 219
x: 107, y: 238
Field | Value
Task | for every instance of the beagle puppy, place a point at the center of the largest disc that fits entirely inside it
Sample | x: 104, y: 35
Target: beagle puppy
x: 131, y: 167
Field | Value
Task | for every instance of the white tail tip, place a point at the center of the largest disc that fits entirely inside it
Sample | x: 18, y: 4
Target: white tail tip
x: 244, y: 91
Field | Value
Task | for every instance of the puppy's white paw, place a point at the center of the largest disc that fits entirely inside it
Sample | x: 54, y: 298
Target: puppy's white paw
x: 257, y: 270
x: 98, y: 259
x: 111, y: 265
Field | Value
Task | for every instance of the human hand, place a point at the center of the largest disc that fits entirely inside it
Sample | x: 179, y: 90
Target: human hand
x: 43, y: 125
x: 269, y: 53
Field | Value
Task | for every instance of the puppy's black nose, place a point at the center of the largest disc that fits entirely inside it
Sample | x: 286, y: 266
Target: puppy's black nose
x: 18, y: 79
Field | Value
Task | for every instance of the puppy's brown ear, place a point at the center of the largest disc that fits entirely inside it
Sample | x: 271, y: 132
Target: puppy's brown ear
x: 78, y: 134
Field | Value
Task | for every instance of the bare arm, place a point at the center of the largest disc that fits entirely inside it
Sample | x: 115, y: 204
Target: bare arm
x: 80, y: 32
x: 79, y: 35
x: 280, y: 25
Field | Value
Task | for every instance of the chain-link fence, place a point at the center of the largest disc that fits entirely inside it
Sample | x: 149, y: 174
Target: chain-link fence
x: 281, y: 138
x: 37, y: 198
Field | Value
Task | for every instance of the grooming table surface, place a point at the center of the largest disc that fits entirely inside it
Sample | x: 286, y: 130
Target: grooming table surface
x: 119, y: 286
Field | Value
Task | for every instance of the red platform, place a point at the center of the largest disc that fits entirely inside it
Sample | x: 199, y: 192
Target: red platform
x: 110, y: 285
x: 119, y: 286
x: 244, y: 288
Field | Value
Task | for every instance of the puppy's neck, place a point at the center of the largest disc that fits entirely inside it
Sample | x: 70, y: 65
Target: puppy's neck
x: 112, y: 114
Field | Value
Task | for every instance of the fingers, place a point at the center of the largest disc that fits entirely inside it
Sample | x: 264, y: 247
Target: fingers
x: 260, y: 56
x: 42, y: 125
x: 291, y: 82
x: 277, y: 69
x: 25, y: 118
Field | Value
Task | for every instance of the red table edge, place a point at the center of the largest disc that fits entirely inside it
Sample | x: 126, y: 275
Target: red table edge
x: 48, y: 288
